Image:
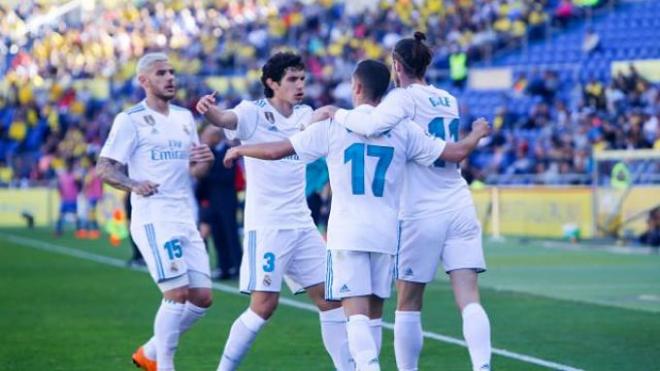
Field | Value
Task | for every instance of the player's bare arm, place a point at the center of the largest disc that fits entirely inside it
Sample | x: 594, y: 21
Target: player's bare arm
x: 201, y: 160
x: 457, y: 152
x: 264, y: 151
x: 224, y: 119
x: 114, y: 173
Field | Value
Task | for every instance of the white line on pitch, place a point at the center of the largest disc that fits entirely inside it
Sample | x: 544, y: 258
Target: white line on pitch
x: 50, y: 247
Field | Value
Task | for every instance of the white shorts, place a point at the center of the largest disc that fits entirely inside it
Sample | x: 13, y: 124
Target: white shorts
x: 270, y: 255
x: 453, y: 238
x: 174, y: 252
x: 358, y: 273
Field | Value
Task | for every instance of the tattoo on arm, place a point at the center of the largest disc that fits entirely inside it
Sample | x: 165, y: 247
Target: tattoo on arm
x: 114, y: 173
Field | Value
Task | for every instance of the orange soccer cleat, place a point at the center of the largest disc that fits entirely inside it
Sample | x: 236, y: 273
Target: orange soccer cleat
x: 140, y: 360
x: 81, y: 234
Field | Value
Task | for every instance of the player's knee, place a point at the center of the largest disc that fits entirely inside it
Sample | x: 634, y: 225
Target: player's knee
x: 265, y: 307
x: 325, y: 305
x: 410, y: 303
x: 202, y: 301
x: 201, y: 297
x: 410, y: 298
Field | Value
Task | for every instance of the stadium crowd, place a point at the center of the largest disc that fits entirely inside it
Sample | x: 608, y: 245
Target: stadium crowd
x: 554, y: 141
x: 65, y: 83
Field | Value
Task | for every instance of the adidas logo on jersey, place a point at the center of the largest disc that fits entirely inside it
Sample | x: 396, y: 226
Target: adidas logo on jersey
x: 344, y: 288
x: 408, y: 272
x: 485, y: 367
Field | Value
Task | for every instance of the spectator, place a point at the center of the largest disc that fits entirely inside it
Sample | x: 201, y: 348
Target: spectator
x: 564, y: 12
x: 591, y: 41
x: 651, y: 236
x: 68, y: 184
x: 93, y: 190
x: 458, y: 67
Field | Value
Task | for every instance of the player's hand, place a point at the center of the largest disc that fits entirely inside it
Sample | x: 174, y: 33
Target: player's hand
x: 201, y: 153
x: 324, y: 113
x: 231, y: 155
x: 205, y: 103
x: 145, y: 188
x: 481, y: 127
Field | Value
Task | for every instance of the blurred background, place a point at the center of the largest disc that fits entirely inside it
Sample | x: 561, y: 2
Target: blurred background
x: 571, y: 87
x: 567, y: 188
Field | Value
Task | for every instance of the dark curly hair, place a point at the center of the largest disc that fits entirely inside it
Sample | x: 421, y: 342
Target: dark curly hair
x: 276, y: 66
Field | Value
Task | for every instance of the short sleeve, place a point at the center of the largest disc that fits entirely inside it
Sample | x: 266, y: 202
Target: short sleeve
x: 422, y: 148
x: 313, y: 143
x: 122, y: 140
x: 248, y: 119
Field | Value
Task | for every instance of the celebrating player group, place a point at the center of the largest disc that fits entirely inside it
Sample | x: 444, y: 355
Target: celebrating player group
x: 399, y: 208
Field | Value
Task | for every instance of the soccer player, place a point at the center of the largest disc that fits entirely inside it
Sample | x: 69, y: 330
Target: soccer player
x: 365, y: 176
x: 438, y: 218
x: 158, y: 143
x: 281, y: 239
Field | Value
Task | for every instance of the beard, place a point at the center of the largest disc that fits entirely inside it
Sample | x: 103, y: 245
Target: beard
x: 166, y: 96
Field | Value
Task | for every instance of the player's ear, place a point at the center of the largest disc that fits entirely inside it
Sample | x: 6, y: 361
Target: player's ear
x: 396, y: 66
x: 142, y: 79
x: 357, y: 87
x: 272, y: 84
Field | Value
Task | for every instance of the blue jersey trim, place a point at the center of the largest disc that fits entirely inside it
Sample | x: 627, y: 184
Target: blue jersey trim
x: 151, y: 237
x: 137, y: 108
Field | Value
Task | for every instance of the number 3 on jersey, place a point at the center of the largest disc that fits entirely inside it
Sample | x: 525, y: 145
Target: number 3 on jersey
x: 355, y: 153
x: 437, y: 129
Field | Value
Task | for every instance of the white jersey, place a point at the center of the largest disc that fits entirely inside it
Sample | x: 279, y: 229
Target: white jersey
x: 427, y: 191
x: 275, y: 195
x: 365, y: 177
x: 156, y: 148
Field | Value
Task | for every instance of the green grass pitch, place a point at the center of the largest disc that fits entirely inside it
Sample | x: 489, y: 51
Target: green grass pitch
x: 581, y: 308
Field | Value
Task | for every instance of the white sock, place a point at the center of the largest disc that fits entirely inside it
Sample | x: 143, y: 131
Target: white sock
x: 408, y: 339
x: 150, y: 348
x: 167, y: 330
x: 191, y: 314
x: 376, y: 327
x: 335, y: 340
x: 361, y: 343
x: 242, y: 334
x: 476, y: 330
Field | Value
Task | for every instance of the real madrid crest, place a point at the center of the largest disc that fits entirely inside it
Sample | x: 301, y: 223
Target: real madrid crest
x: 270, y: 117
x: 151, y: 121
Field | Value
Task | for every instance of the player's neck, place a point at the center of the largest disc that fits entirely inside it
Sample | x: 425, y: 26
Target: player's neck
x: 363, y: 101
x: 159, y: 105
x: 283, y: 107
x: 407, y: 81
